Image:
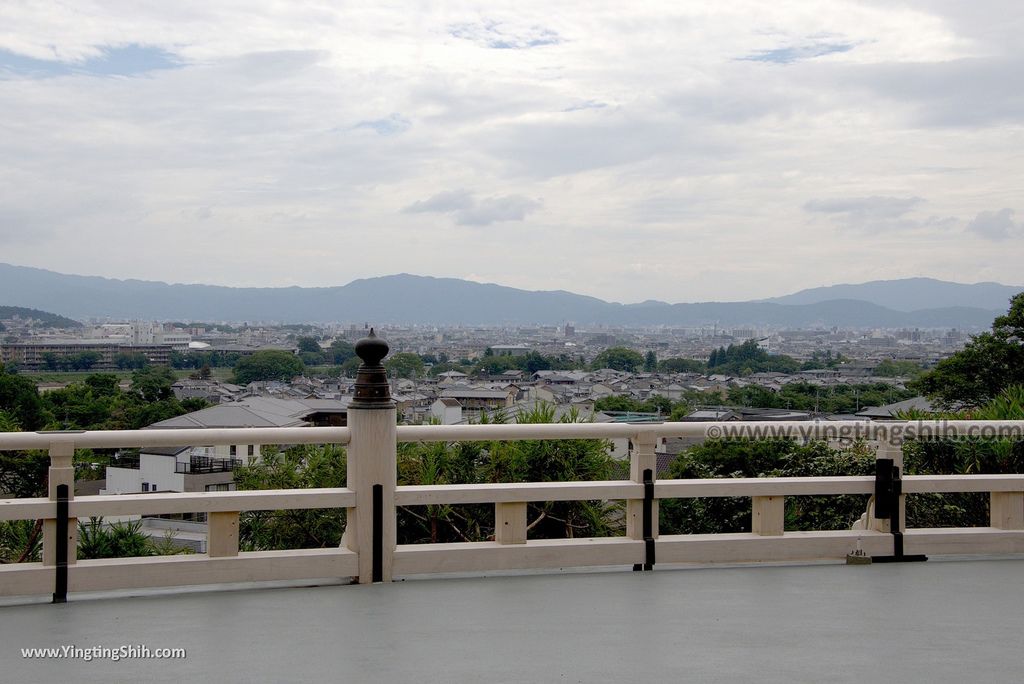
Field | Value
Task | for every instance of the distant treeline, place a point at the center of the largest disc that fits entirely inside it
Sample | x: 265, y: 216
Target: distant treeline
x: 49, y: 320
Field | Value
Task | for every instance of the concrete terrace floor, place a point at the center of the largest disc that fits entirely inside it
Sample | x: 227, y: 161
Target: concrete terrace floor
x: 918, y: 622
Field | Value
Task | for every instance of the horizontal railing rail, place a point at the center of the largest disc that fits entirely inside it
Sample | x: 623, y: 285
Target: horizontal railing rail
x: 369, y: 550
x: 840, y: 429
x: 112, y: 505
x: 847, y: 429
x: 124, y: 439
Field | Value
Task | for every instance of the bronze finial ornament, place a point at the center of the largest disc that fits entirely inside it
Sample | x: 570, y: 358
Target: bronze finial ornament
x: 372, y: 390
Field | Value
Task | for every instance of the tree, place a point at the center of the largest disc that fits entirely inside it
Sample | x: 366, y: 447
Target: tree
x: 678, y: 365
x: 204, y: 373
x: 21, y: 541
x: 84, y: 360
x: 120, y: 540
x: 764, y: 458
x: 130, y: 360
x: 153, y: 384
x: 989, y: 363
x: 404, y: 365
x: 618, y: 358
x: 310, y: 351
x: 496, y: 365
x: 308, y: 344
x: 535, y: 361
x: 103, y: 384
x: 517, y: 461
x: 20, y: 399
x: 300, y: 467
x: 624, y: 404
x: 341, y: 351
x: 350, y: 366
x: 889, y: 368
x: 650, y: 362
x: 268, y: 364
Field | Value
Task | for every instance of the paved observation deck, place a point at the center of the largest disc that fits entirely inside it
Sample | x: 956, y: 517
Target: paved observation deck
x: 940, y: 621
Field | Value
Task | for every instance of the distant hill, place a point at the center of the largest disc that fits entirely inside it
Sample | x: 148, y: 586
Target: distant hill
x: 48, y: 319
x: 408, y: 298
x: 911, y: 294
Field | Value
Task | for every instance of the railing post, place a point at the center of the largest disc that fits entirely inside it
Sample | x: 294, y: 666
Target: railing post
x: 890, y: 501
x: 61, y: 472
x: 372, y: 465
x: 642, y: 514
x: 768, y: 515
x: 510, y: 522
x: 222, y: 534
x: 643, y: 458
x: 893, y: 451
x: 1006, y: 510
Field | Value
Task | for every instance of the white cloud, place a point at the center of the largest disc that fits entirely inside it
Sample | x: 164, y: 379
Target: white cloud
x: 873, y: 214
x: 467, y: 210
x: 283, y: 134
x: 996, y: 225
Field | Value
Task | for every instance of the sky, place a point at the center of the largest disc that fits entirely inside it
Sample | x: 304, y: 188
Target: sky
x: 678, y: 151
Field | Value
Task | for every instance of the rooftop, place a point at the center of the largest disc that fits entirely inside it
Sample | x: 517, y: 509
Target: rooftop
x: 254, y: 412
x: 936, y: 621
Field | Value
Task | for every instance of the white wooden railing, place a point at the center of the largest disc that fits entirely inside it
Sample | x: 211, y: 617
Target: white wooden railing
x: 369, y: 550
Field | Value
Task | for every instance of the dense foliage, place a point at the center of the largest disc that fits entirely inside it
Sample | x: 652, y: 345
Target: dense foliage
x: 268, y: 364
x: 747, y: 358
x: 404, y: 365
x: 21, y: 542
x: 988, y: 364
x: 301, y: 467
x: 764, y: 458
x: 680, y: 365
x: 529, y: 363
x: 802, y: 396
x: 441, y: 463
x: 618, y: 358
x: 786, y: 458
x: 97, y: 402
x: 797, y: 396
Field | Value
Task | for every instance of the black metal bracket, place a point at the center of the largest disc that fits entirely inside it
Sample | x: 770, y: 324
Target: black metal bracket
x: 60, y: 585
x: 378, y: 533
x: 888, y: 489
x: 648, y: 523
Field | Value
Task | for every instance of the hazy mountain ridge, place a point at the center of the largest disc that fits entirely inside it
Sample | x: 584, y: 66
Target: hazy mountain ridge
x: 48, y: 319
x: 910, y: 294
x: 406, y: 298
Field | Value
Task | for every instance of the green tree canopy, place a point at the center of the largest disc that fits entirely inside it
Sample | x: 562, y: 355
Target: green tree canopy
x: 154, y: 384
x: 764, y: 458
x: 404, y: 365
x: 678, y: 365
x: 747, y: 358
x: 618, y: 358
x: 308, y: 344
x: 300, y: 467
x: 991, y: 362
x: 131, y: 360
x: 20, y: 399
x: 268, y: 364
x: 341, y: 351
x: 650, y: 362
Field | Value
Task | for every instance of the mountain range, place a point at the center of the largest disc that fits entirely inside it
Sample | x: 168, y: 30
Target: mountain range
x: 404, y: 298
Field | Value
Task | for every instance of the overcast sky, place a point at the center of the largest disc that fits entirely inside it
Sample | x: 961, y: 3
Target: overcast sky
x: 674, y: 151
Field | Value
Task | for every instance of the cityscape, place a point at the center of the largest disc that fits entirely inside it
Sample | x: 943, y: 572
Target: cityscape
x: 511, y: 342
